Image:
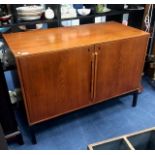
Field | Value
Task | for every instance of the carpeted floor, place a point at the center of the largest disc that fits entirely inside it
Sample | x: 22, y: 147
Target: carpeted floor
x: 106, y: 120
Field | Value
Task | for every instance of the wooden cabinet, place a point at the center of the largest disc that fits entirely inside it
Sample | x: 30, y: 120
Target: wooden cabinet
x: 64, y: 69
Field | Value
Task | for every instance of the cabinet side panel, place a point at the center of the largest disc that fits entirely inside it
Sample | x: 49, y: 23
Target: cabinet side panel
x: 21, y: 79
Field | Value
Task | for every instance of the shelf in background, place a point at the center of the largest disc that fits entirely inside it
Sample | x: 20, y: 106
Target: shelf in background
x: 110, y: 13
x: 92, y: 15
x: 18, y: 23
x: 78, y: 17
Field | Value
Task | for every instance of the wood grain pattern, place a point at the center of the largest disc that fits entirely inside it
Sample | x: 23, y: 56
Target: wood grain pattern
x: 55, y: 39
x: 120, y: 65
x: 65, y: 69
x: 56, y: 82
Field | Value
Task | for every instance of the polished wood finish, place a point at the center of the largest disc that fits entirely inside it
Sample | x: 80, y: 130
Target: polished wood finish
x: 119, y: 68
x: 65, y: 69
x: 55, y: 83
x: 53, y: 40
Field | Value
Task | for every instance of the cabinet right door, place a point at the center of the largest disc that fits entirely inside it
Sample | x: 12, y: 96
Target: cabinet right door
x: 119, y: 65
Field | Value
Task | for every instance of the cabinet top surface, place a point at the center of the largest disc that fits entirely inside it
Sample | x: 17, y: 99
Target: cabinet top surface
x: 55, y: 39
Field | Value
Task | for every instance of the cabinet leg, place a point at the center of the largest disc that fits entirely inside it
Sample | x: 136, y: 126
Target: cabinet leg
x: 33, y: 137
x: 135, y: 98
x: 20, y: 139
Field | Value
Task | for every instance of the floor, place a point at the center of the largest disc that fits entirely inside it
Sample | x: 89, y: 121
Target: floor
x: 106, y: 120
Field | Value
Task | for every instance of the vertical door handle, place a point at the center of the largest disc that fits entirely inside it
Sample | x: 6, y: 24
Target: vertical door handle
x: 95, y: 73
x: 92, y: 75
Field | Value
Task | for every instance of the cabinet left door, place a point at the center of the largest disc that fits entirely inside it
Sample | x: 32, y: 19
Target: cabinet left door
x: 55, y: 83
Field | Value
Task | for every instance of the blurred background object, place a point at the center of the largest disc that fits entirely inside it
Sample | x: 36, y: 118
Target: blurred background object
x: 3, y: 144
x: 5, y: 17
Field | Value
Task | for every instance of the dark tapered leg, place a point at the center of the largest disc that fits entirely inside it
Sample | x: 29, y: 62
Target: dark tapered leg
x: 20, y: 139
x: 33, y: 137
x: 135, y: 98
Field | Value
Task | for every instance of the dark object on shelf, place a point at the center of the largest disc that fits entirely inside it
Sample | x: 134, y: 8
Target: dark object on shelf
x: 142, y: 140
x: 3, y: 144
x: 135, y: 14
x: 87, y: 20
x: 7, y: 117
x: 116, y: 6
x: 135, y: 7
x: 3, y: 10
x: 4, y: 16
x: 117, y: 18
x: 135, y: 18
x: 89, y: 6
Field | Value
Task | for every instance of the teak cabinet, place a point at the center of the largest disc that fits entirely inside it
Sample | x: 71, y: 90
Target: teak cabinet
x: 64, y: 69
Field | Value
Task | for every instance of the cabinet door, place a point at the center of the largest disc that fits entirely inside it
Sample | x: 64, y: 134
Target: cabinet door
x: 119, y: 66
x: 56, y: 82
